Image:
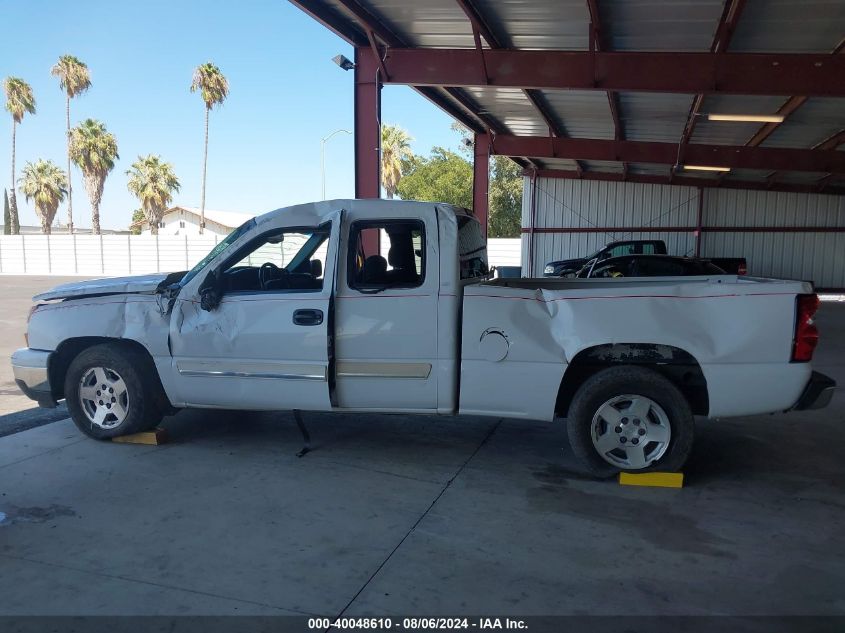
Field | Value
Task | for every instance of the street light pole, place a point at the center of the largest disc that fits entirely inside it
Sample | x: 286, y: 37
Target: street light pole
x: 323, y: 158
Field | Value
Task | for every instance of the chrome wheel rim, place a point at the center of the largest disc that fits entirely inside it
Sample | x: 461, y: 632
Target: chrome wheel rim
x: 104, y: 397
x: 631, y: 431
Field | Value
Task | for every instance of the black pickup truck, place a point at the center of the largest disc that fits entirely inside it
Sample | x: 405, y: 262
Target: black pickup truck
x: 569, y: 267
x: 564, y: 267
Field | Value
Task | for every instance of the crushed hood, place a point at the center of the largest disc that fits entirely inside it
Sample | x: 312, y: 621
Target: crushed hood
x: 139, y: 284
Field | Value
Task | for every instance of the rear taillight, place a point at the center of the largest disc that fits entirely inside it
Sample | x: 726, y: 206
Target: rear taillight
x: 806, y: 333
x: 742, y: 270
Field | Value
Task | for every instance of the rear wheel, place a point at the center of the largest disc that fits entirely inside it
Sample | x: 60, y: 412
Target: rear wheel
x: 630, y: 418
x: 109, y: 393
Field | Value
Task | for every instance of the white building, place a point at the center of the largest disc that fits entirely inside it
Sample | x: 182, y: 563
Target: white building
x: 186, y: 221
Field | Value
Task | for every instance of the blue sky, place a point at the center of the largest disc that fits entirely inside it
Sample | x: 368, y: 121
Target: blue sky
x: 264, y: 152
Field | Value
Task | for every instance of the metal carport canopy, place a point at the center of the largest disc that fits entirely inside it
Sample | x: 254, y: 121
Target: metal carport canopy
x: 612, y: 89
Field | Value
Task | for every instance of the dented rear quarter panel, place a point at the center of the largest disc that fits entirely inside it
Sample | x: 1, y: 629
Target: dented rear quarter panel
x: 739, y: 330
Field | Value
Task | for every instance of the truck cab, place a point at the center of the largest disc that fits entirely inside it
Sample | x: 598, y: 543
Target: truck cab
x: 326, y: 303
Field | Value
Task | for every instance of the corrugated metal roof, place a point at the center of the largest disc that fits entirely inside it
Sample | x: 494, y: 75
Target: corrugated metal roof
x: 602, y: 165
x: 432, y: 24
x: 648, y: 116
x: 758, y: 175
x: 779, y: 26
x: 729, y: 132
x: 789, y: 26
x: 812, y: 123
x: 538, y: 24
x: 510, y: 107
x: 652, y: 25
x: 649, y: 169
x: 582, y: 113
x: 563, y: 164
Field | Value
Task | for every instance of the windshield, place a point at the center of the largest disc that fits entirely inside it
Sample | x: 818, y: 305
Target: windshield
x: 222, y: 246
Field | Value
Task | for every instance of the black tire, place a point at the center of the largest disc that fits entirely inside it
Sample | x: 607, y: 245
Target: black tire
x: 622, y: 380
x: 144, y: 410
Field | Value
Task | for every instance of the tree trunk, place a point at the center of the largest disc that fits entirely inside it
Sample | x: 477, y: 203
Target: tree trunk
x: 69, y: 185
x: 95, y: 218
x: 45, y: 224
x: 7, y: 221
x: 13, y: 202
x: 204, y: 166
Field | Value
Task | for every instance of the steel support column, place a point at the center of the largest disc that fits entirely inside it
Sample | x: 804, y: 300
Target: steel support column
x: 367, y: 135
x: 532, y: 215
x: 367, y: 125
x: 481, y: 179
x: 699, y: 222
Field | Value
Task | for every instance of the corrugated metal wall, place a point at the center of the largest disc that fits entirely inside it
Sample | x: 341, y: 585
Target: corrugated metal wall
x: 618, y: 207
x: 815, y: 256
x: 606, y: 211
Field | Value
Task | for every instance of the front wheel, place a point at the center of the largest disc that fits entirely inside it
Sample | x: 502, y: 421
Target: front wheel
x: 108, y: 393
x: 630, y: 418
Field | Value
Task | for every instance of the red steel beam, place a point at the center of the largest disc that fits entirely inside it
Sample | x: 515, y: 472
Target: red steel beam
x: 479, y: 23
x: 791, y: 105
x: 724, y: 33
x: 704, y: 73
x: 740, y: 157
x: 368, y: 23
x: 371, y: 23
x: 482, y: 28
x: 367, y: 126
x: 597, y: 44
x: 322, y: 14
x: 687, y: 181
x: 727, y: 25
x: 832, y: 142
x: 481, y: 179
x: 787, y: 109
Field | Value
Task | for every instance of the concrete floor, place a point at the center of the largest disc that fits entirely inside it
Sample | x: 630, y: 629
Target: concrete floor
x: 424, y: 515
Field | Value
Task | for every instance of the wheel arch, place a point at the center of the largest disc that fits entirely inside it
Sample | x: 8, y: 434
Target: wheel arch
x: 70, y: 348
x: 674, y: 363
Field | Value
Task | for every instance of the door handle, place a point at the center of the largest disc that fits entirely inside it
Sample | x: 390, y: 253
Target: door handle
x: 307, y: 317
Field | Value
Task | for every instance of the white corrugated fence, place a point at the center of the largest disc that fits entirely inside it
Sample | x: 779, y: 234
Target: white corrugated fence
x: 116, y: 255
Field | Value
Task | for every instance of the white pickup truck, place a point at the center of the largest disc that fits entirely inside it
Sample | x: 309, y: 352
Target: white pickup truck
x: 388, y: 306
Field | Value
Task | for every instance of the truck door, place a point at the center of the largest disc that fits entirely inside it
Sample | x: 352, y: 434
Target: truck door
x: 266, y: 344
x: 386, y: 314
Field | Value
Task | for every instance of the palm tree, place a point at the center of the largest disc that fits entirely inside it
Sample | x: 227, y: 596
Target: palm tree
x: 395, y: 147
x: 19, y: 101
x: 74, y: 80
x: 214, y: 89
x: 45, y: 183
x: 153, y: 183
x: 94, y: 150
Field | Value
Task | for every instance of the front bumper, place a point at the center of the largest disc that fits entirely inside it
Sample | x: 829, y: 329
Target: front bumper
x: 817, y: 393
x: 30, y: 368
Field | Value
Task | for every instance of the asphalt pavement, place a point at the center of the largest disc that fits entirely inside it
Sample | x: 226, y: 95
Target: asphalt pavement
x: 17, y: 412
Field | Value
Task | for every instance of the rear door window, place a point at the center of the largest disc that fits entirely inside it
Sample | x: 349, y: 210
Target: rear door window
x: 403, y: 243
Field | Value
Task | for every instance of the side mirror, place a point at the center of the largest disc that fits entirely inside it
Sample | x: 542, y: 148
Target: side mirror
x: 316, y: 268
x: 209, y: 298
x: 211, y: 294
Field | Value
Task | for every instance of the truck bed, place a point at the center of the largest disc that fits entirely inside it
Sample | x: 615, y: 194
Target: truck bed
x: 736, y: 283
x: 739, y: 330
